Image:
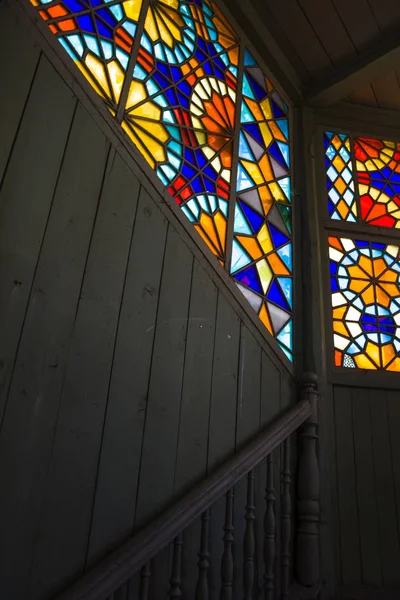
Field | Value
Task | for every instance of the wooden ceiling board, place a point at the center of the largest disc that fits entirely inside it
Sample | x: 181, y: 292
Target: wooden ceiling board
x: 330, y: 30
x: 387, y: 91
x: 293, y: 22
x: 387, y: 13
x: 359, y: 21
x: 364, y: 95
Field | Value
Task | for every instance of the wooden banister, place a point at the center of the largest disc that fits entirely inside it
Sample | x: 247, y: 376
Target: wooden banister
x: 111, y: 573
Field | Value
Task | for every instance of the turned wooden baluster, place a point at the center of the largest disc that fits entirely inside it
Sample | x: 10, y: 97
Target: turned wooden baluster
x: 286, y: 519
x: 176, y: 580
x: 204, y: 554
x: 308, y: 507
x: 249, y: 540
x: 269, y: 532
x: 227, y: 557
x: 145, y: 575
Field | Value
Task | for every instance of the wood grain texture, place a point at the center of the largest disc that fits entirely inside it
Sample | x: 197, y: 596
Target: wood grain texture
x: 19, y: 57
x: 388, y: 530
x: 28, y: 430
x: 366, y: 490
x: 61, y: 550
x: 298, y: 30
x: 347, y: 492
x: 330, y: 30
x: 162, y: 415
x: 359, y: 21
x: 123, y: 431
x: 25, y: 203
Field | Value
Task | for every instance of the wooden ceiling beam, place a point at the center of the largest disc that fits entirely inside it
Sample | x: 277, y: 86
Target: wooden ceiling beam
x: 380, y: 60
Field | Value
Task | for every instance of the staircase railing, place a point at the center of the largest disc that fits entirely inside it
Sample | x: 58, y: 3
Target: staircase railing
x: 258, y: 557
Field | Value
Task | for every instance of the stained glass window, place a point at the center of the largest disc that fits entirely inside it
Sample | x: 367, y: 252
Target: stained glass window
x: 363, y: 186
x: 377, y: 179
x: 365, y: 303
x: 200, y: 109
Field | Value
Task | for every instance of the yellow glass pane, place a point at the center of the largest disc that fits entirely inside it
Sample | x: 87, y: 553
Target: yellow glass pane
x: 358, y: 285
x: 343, y: 209
x: 90, y: 79
x: 390, y: 275
x: 250, y: 244
x: 117, y: 77
x: 132, y: 9
x: 150, y: 25
x: 266, y: 169
x: 137, y: 93
x: 382, y: 297
x: 266, y: 134
x: 338, y: 312
x: 276, y: 132
x: 379, y: 266
x: 96, y: 67
x: 265, y: 239
x: 390, y: 288
x: 338, y: 163
x: 220, y: 223
x: 374, y: 353
x: 338, y: 327
x: 340, y: 185
x: 206, y: 239
x: 356, y: 273
x: 277, y: 265
x: 253, y: 171
x: 154, y: 148
x: 265, y: 319
x: 265, y: 274
x: 254, y: 108
x: 138, y: 143
x: 266, y: 108
x: 388, y: 354
x: 395, y: 365
x: 366, y: 264
x: 208, y: 225
x: 368, y: 296
x: 363, y: 362
x: 277, y: 192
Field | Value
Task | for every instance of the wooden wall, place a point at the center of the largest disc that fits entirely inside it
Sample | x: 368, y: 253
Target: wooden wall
x: 125, y: 371
x: 365, y: 490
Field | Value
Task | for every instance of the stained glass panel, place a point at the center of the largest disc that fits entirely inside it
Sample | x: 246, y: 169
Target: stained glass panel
x: 98, y: 36
x: 378, y: 172
x: 206, y: 119
x: 342, y: 204
x: 262, y: 249
x: 365, y: 289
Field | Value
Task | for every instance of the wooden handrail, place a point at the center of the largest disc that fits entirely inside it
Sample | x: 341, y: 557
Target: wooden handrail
x: 111, y: 573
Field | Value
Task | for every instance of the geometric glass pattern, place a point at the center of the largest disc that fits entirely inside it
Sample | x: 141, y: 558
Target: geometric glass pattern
x: 365, y: 287
x: 376, y: 179
x: 378, y: 172
x: 342, y: 204
x: 200, y: 110
x: 261, y: 260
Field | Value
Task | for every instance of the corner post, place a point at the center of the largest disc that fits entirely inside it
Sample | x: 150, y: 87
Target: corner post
x: 308, y: 491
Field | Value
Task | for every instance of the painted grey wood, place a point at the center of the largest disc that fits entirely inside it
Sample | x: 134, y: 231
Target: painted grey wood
x: 19, y: 57
x: 366, y: 490
x: 393, y: 410
x: 128, y: 559
x: 28, y: 434
x: 117, y: 482
x: 25, y: 203
x: 67, y: 509
x: 330, y: 30
x: 191, y: 464
x: 227, y: 561
x: 164, y: 401
x: 347, y: 492
x: 249, y: 541
x: 202, y: 585
x: 388, y: 530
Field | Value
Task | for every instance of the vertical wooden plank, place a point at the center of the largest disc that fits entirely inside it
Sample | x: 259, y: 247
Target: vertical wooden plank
x: 66, y: 514
x: 191, y: 464
x: 366, y: 490
x: 123, y: 431
x: 347, y: 492
x: 25, y: 200
x: 247, y: 425
x: 222, y: 425
x: 19, y: 57
x: 28, y: 429
x: 393, y: 408
x: 384, y: 484
x: 162, y: 415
